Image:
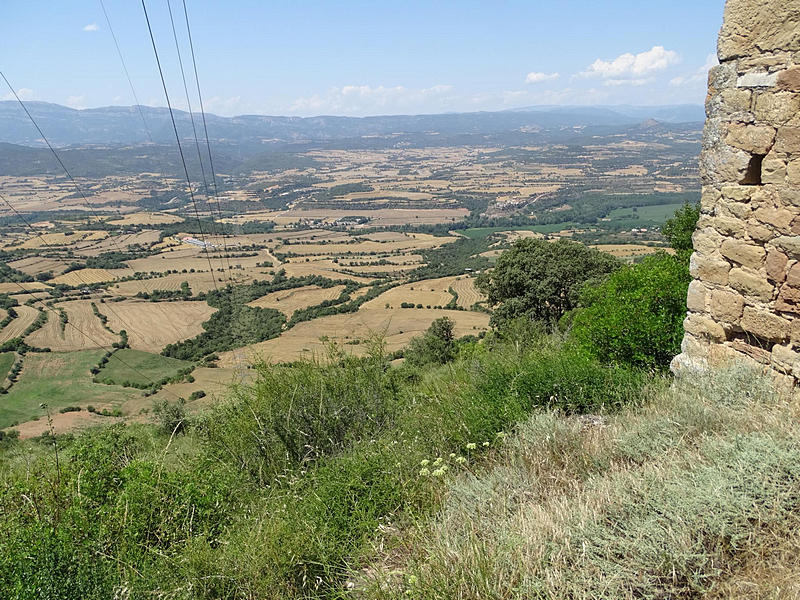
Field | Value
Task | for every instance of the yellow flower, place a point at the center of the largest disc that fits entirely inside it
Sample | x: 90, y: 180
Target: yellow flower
x: 424, y: 472
x: 472, y: 446
x: 461, y: 460
x: 424, y: 462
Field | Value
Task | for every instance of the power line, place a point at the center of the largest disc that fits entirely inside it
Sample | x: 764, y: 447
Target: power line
x: 55, y: 154
x: 95, y: 342
x: 194, y: 129
x: 180, y: 148
x: 127, y: 75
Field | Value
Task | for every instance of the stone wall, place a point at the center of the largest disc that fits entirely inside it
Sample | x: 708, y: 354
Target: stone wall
x: 744, y: 301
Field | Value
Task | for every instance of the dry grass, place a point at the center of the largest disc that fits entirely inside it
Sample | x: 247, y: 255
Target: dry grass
x: 153, y: 325
x: 397, y: 327
x: 15, y: 288
x: 288, y: 301
x: 87, y: 276
x: 146, y: 218
x: 693, y: 495
x: 25, y: 316
x: 80, y: 317
x: 431, y: 292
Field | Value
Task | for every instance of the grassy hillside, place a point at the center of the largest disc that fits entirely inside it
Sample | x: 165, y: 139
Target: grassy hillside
x: 129, y: 366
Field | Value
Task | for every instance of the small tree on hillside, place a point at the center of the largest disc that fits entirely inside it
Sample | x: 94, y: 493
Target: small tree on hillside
x: 679, y: 229
x: 542, y: 280
x: 436, y: 346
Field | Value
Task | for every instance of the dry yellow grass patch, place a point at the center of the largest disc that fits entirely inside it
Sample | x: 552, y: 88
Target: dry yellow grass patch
x: 62, y: 239
x: 198, y: 282
x: 25, y: 316
x: 629, y: 250
x: 433, y: 292
x: 84, y: 331
x: 288, y: 301
x: 13, y: 288
x: 153, y: 325
x: 86, y: 276
x: 147, y: 218
x: 325, y: 268
x: 33, y: 265
x: 468, y: 294
x: 397, y: 327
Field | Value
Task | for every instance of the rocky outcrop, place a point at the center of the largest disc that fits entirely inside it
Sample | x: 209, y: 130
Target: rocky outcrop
x: 744, y: 301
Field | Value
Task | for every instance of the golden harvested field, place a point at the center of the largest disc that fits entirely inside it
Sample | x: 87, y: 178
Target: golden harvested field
x: 26, y: 316
x: 378, y: 218
x: 80, y: 316
x: 62, y: 239
x: 153, y: 325
x: 468, y: 294
x: 187, y: 256
x: 146, y: 218
x: 3, y: 313
x: 33, y: 265
x: 120, y: 242
x: 433, y: 292
x: 413, y: 241
x: 86, y: 276
x: 324, y: 268
x: 288, y: 301
x: 397, y: 327
x: 630, y: 250
x: 198, y: 282
x: 14, y: 288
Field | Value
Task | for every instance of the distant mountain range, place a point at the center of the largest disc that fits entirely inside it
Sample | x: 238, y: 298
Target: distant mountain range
x: 122, y: 125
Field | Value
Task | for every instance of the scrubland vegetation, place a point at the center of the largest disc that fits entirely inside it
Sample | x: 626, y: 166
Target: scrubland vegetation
x: 553, y: 457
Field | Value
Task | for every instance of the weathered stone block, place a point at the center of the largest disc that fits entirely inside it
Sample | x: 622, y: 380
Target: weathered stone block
x: 709, y: 269
x: 729, y: 226
x: 751, y: 351
x: 733, y: 101
x: 793, y: 172
x: 726, y: 305
x: 789, y: 197
x: 765, y: 324
x: 757, y: 79
x: 780, y: 219
x: 744, y: 253
x: 750, y: 283
x: 706, y: 240
x: 758, y: 232
x: 697, y: 296
x: 793, y: 275
x: 703, y: 326
x: 776, y: 265
x: 784, y: 358
x: 788, y: 299
x: 773, y: 170
x: 755, y: 139
x: 737, y: 193
x: 752, y: 27
x: 775, y: 107
x: 789, y: 80
x: 789, y: 244
x: 787, y: 140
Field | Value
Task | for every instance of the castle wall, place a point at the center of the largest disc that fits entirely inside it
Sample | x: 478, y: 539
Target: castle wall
x: 744, y: 301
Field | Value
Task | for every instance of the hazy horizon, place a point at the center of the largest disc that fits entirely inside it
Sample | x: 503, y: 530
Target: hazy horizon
x: 359, y: 59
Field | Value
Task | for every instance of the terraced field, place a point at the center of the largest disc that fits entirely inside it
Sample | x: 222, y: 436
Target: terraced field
x: 153, y: 325
x: 26, y: 316
x: 288, y: 301
x: 84, y: 330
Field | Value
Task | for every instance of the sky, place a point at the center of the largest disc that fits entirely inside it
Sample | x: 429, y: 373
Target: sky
x: 309, y: 58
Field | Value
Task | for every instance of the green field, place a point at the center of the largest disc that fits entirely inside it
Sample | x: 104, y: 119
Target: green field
x: 645, y: 216
x: 6, y: 361
x: 58, y: 379
x: 137, y: 367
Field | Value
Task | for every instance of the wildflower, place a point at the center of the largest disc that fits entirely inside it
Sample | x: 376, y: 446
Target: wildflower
x: 452, y: 455
x: 461, y: 460
x: 438, y: 472
x: 424, y: 472
x: 424, y: 463
x: 412, y: 579
x: 472, y: 446
x: 485, y: 444
x: 437, y: 462
x: 501, y: 434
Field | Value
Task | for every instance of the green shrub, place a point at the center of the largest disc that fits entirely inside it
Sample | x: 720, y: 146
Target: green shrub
x: 636, y: 316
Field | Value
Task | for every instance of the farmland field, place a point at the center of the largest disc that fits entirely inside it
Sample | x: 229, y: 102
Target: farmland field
x: 289, y: 301
x: 135, y: 366
x: 153, y: 325
x: 26, y: 316
x: 6, y: 362
x: 83, y: 331
x: 58, y: 379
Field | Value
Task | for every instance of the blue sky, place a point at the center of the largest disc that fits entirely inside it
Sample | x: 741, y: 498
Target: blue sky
x: 366, y: 58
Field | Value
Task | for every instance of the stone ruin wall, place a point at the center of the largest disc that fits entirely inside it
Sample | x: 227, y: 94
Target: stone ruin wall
x: 744, y: 300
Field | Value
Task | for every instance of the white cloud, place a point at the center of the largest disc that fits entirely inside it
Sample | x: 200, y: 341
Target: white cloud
x: 535, y: 77
x: 697, y: 76
x: 367, y: 99
x: 75, y: 102
x: 91, y: 27
x: 633, y: 82
x: 23, y: 93
x: 633, y: 66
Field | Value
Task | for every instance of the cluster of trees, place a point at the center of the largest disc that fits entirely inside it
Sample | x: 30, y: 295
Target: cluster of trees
x: 630, y: 314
